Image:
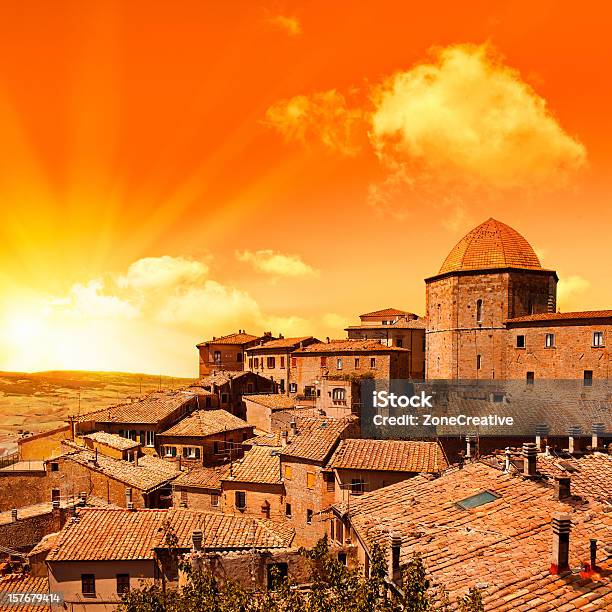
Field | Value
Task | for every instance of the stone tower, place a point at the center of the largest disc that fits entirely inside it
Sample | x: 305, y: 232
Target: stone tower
x: 492, y: 274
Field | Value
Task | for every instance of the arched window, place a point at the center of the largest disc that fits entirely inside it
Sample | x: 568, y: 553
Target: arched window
x: 478, y: 311
x: 339, y: 394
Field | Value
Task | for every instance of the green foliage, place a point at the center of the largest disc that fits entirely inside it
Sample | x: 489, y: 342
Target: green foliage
x: 333, y: 588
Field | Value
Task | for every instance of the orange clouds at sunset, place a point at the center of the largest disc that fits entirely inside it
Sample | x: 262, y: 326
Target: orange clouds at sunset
x: 173, y: 172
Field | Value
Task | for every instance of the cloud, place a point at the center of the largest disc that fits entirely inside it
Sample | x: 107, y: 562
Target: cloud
x: 458, y: 128
x: 86, y: 301
x: 569, y: 289
x: 276, y: 264
x: 468, y: 119
x: 163, y: 271
x: 288, y: 24
x: 324, y: 117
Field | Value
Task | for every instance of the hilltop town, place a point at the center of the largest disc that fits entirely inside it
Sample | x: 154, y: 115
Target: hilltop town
x: 267, y: 452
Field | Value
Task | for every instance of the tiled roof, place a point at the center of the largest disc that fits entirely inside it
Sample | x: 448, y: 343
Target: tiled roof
x: 276, y: 401
x: 399, y: 324
x: 265, y: 439
x: 46, y: 544
x: 317, y: 438
x: 203, y: 477
x: 389, y: 455
x: 260, y: 464
x: 227, y: 531
x: 219, y: 378
x: 503, y: 545
x: 281, y: 343
x: 240, y: 338
x: 202, y: 423
x: 150, y: 409
x: 491, y: 245
x: 109, y: 535
x: 112, y: 440
x: 25, y: 583
x: 348, y: 346
x: 388, y: 312
x: 149, y: 474
x: 563, y: 316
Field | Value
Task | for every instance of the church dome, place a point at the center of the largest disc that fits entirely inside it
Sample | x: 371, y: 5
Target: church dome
x: 491, y: 245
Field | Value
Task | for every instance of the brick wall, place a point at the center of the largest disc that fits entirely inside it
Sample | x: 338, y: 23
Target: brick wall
x: 24, y: 533
x: 257, y: 497
x: 195, y: 498
x: 23, y: 489
x: 259, y: 363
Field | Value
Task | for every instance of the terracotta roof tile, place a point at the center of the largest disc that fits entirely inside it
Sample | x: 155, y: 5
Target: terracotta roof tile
x: 112, y: 440
x: 563, y: 316
x: 227, y: 531
x: 150, y: 409
x: 101, y: 534
x: 491, y: 245
x: 282, y: 343
x: 418, y: 323
x: 389, y: 455
x: 203, y: 477
x: 219, y: 378
x: 202, y: 423
x: 503, y: 545
x: 276, y: 401
x: 25, y: 583
x: 317, y: 438
x: 388, y: 312
x: 349, y: 346
x: 260, y: 464
x: 239, y: 338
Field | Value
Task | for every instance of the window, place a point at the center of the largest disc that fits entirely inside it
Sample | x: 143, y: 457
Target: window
x: 169, y: 451
x: 520, y: 341
x: 339, y: 394
x: 588, y: 378
x: 330, y: 482
x: 385, y: 322
x: 208, y: 402
x: 478, y: 362
x: 598, y: 339
x: 55, y: 466
x: 123, y: 584
x: 240, y: 500
x: 311, y: 478
x: 294, y: 362
x: 250, y: 363
x: 288, y: 510
x: 323, y: 361
x: 282, y: 385
x: 339, y: 363
x: 277, y: 573
x: 150, y: 439
x: 356, y: 363
x: 357, y: 486
x: 239, y: 357
x: 478, y: 311
x: 474, y: 501
x: 256, y: 362
x: 224, y: 398
x: 342, y: 558
x: 292, y: 388
x: 282, y: 363
x: 288, y: 472
x: 217, y: 357
x: 530, y: 378
x: 271, y: 363
x: 399, y: 342
x: 309, y: 516
x: 372, y: 362
x: 215, y: 448
x: 214, y: 500
x: 549, y: 341
x: 88, y: 585
x: 498, y: 398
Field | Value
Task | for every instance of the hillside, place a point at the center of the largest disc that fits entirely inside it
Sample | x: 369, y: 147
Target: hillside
x: 42, y: 400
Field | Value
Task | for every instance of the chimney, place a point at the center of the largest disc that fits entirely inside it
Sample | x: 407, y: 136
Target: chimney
x: 470, y: 446
x: 128, y: 495
x: 563, y: 488
x: 593, y: 557
x: 56, y: 515
x: 561, y: 526
x: 327, y: 339
x: 530, y: 453
x: 508, y: 454
x: 541, y: 431
x: 293, y: 426
x: 130, y: 506
x: 284, y: 437
x: 574, y: 434
x: 598, y: 429
x: 197, y: 538
x: 82, y: 498
x: 281, y: 337
x: 393, y: 568
x: 14, y: 514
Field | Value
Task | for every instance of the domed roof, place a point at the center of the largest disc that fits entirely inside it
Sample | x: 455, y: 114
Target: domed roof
x: 491, y: 245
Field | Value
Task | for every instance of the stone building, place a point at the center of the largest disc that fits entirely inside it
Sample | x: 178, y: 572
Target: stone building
x: 272, y: 358
x: 491, y: 314
x: 395, y: 327
x: 227, y: 352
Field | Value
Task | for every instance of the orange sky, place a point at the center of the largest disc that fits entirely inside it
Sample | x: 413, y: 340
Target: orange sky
x: 173, y: 171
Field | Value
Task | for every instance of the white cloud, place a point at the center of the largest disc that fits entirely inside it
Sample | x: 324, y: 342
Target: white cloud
x: 276, y: 264
x: 159, y: 272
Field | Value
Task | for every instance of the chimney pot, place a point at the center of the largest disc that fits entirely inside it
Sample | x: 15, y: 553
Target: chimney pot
x: 130, y: 505
x: 593, y: 551
x: 395, y: 545
x: 197, y: 538
x: 55, y: 504
x: 598, y: 429
x: 14, y: 514
x: 563, y: 488
x: 128, y: 495
x: 284, y: 437
x: 574, y: 434
x: 541, y: 431
x: 561, y: 527
x: 530, y: 453
x: 327, y: 338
